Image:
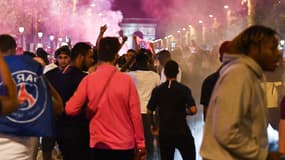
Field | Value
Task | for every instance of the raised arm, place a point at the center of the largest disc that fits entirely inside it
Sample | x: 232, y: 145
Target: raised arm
x: 137, y: 47
x: 100, y: 36
x: 9, y: 102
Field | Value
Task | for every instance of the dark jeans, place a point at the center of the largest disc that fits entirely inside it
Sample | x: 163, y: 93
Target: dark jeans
x: 183, y: 142
x: 76, y: 150
x: 47, y: 147
x: 105, y: 154
x: 148, y: 137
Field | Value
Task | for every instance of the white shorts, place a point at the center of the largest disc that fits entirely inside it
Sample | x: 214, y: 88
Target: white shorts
x: 17, y: 148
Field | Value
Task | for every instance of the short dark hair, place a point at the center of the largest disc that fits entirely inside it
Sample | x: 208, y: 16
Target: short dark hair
x: 108, y: 48
x: 252, y: 36
x: 42, y: 54
x: 29, y: 53
x: 163, y: 53
x: 142, y: 57
x: 171, y: 69
x: 62, y: 50
x: 131, y: 50
x: 163, y: 56
x: 80, y: 48
x: 7, y: 43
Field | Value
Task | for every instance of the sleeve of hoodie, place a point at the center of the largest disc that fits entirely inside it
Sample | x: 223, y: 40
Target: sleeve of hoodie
x: 136, y: 117
x: 232, y: 113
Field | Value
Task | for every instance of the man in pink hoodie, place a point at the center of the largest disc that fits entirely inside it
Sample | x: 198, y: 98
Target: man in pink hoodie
x: 116, y: 129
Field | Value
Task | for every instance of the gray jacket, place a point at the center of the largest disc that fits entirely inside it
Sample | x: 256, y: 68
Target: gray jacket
x: 236, y: 122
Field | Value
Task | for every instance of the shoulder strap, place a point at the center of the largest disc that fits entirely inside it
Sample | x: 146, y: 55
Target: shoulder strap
x: 105, y: 86
x: 90, y: 115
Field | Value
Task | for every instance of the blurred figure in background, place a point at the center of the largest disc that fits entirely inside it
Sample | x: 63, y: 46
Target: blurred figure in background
x: 210, y: 81
x: 163, y: 57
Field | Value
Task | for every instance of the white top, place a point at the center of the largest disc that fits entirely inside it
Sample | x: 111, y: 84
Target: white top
x: 49, y: 67
x: 145, y: 81
x: 17, y: 147
x: 163, y: 77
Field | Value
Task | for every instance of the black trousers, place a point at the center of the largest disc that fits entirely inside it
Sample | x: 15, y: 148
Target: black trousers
x: 148, y: 137
x: 105, y: 154
x: 184, y: 142
x: 47, y: 147
x: 78, y: 150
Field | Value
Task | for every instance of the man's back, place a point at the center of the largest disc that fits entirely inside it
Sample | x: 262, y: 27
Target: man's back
x: 145, y: 81
x: 207, y: 88
x: 116, y: 121
x: 172, y: 101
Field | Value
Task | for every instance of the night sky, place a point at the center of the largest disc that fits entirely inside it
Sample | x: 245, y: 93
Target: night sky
x: 164, y: 8
x: 175, y: 13
x: 130, y: 8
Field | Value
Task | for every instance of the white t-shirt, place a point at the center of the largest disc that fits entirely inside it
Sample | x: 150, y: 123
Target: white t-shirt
x: 145, y: 81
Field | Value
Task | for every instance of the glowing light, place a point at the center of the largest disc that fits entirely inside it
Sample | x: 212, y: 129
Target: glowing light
x: 63, y: 44
x: 184, y: 29
x: 39, y: 45
x: 40, y: 34
x: 51, y: 37
x: 200, y: 21
x: 211, y: 16
x: 178, y: 31
x: 169, y: 36
x: 189, y: 26
x: 21, y: 29
x: 88, y: 25
x: 282, y: 42
x: 226, y: 7
x: 243, y: 2
x: 60, y: 39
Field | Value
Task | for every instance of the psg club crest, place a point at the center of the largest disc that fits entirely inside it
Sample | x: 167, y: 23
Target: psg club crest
x: 32, y: 101
x: 34, y: 116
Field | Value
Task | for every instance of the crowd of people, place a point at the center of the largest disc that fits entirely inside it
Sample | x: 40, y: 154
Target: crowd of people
x: 96, y: 105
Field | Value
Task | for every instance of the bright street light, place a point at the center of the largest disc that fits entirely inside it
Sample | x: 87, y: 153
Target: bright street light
x: 51, y: 37
x: 21, y: 29
x: 40, y: 34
